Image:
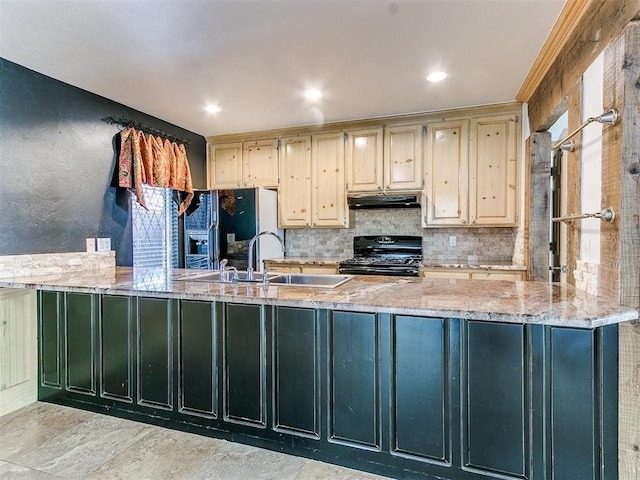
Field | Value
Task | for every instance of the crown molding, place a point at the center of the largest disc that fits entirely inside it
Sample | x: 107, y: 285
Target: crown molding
x: 566, y: 24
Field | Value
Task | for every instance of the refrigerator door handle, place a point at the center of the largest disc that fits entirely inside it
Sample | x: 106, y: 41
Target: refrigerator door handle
x: 214, y: 244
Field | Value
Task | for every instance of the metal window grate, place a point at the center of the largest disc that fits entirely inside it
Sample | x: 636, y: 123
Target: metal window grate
x: 155, y: 231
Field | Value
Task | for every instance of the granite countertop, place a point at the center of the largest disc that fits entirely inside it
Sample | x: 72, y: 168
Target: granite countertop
x: 307, y: 260
x: 496, y: 301
x: 480, y: 265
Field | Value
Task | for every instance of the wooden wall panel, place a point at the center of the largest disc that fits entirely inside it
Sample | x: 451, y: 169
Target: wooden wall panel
x: 539, y: 206
x: 620, y: 241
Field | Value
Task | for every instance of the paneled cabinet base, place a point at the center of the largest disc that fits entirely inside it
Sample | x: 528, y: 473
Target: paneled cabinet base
x: 398, y: 395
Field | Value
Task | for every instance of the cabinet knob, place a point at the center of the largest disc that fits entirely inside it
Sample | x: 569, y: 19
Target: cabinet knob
x: 464, y: 221
x: 473, y: 221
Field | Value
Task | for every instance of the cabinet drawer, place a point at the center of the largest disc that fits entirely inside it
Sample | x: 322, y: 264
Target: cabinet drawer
x: 283, y: 269
x: 509, y: 276
x: 446, y: 274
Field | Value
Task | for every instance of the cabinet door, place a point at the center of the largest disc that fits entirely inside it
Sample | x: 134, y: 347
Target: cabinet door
x: 294, y: 194
x: 354, y: 370
x: 364, y: 160
x: 155, y: 353
x: 260, y: 163
x: 329, y: 197
x: 245, y: 368
x: 403, y: 157
x: 296, y: 372
x: 117, y: 320
x: 80, y: 341
x: 446, y: 177
x: 493, y: 161
x: 18, y: 349
x: 198, y: 391
x: 225, y: 165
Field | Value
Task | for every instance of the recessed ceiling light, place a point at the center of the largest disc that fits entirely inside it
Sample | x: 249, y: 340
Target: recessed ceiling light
x: 212, y: 108
x: 313, y: 94
x: 436, y: 76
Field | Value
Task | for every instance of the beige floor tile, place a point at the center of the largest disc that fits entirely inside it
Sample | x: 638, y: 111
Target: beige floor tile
x: 85, y: 447
x: 313, y: 470
x: 34, y: 425
x: 162, y: 454
x: 9, y: 471
x: 234, y: 461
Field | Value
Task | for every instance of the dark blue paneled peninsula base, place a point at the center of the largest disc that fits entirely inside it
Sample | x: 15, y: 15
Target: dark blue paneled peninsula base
x: 402, y: 395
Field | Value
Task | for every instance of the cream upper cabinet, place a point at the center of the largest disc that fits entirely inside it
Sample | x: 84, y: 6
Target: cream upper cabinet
x: 224, y: 165
x: 294, y: 192
x: 446, y: 176
x: 260, y: 163
x: 471, y: 172
x: 493, y: 160
x: 388, y: 159
x: 328, y: 194
x: 403, y: 157
x: 364, y: 160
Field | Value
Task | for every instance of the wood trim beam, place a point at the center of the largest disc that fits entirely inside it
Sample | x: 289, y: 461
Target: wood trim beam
x: 539, y: 204
x: 568, y: 20
x: 599, y: 26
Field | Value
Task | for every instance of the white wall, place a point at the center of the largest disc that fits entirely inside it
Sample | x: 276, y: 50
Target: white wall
x: 591, y: 183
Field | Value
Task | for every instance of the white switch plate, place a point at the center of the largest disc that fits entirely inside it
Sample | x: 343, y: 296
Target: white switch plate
x: 453, y: 241
x: 90, y: 244
x: 104, y: 244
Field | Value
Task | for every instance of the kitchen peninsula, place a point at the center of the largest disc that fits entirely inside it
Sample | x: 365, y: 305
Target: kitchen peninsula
x: 407, y: 377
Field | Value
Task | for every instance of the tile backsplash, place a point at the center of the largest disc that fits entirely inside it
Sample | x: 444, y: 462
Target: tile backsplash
x: 487, y: 244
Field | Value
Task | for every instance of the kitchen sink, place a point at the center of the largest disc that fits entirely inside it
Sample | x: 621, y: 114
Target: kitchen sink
x: 309, y: 280
x: 241, y: 276
x: 293, y: 279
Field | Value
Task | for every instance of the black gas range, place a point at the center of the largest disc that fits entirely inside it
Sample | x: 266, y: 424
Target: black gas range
x: 398, y: 255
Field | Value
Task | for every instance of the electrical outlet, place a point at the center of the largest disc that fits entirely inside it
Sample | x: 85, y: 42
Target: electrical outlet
x: 90, y: 244
x: 104, y: 244
x: 453, y: 241
x: 312, y: 241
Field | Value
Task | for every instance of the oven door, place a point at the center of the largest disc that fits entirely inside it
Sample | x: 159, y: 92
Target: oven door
x: 393, y: 270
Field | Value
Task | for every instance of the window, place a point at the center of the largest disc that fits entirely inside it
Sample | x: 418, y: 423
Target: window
x: 155, y: 231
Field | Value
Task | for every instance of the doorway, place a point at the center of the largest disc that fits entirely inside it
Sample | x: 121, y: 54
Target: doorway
x: 558, y: 188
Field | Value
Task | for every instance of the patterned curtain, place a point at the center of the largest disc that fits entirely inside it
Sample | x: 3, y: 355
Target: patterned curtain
x: 145, y: 159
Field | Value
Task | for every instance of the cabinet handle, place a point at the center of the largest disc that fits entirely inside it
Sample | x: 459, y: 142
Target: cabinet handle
x: 464, y: 221
x: 473, y: 221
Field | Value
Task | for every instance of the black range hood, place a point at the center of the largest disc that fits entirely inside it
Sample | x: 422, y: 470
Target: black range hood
x: 384, y: 201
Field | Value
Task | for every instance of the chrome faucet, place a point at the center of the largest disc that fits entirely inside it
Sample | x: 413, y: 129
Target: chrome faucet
x: 251, y: 247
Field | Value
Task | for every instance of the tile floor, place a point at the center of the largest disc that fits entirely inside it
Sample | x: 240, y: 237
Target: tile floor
x: 45, y: 441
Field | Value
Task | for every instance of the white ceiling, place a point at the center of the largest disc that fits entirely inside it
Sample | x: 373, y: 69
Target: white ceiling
x: 255, y: 57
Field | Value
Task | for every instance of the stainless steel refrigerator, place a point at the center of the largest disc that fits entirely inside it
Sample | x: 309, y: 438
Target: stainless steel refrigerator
x: 220, y: 223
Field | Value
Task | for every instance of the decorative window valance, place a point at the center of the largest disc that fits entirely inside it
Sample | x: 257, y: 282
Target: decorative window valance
x: 157, y: 162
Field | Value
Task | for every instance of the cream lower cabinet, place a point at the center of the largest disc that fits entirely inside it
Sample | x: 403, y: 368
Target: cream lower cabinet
x: 279, y: 266
x: 18, y: 349
x: 294, y: 193
x: 471, y: 172
x: 475, y: 274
